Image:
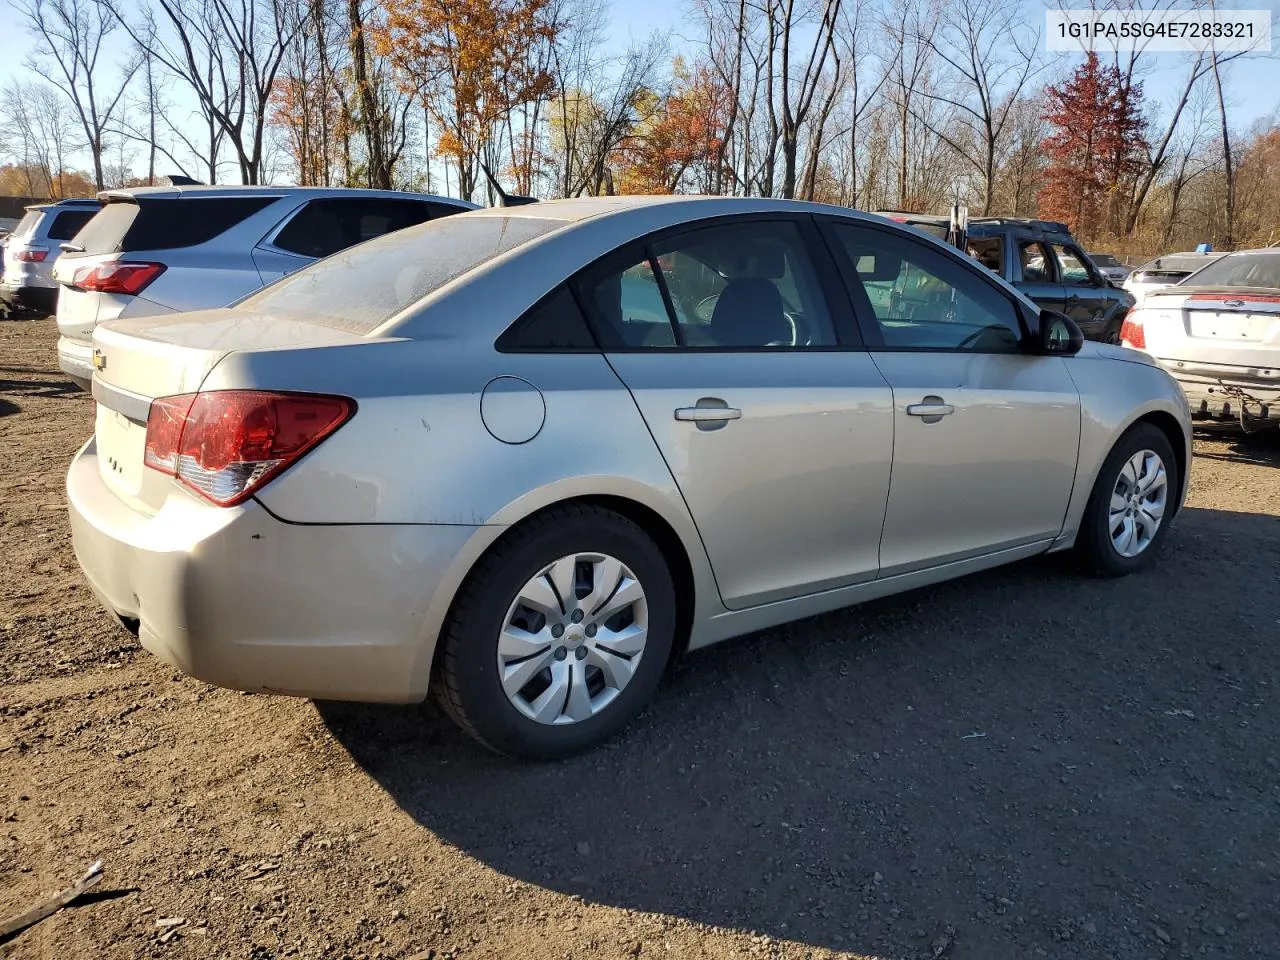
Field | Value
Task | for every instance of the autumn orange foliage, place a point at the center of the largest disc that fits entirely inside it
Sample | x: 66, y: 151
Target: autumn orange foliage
x: 472, y: 63
x: 679, y: 137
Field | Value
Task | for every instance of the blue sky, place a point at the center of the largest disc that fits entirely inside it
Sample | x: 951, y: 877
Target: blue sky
x: 1253, y: 89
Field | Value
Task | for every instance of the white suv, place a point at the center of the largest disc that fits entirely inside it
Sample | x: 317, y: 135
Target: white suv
x: 156, y: 250
x: 31, y: 249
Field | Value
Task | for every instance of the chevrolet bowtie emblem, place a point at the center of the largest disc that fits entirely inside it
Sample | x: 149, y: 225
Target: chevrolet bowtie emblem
x: 99, y: 360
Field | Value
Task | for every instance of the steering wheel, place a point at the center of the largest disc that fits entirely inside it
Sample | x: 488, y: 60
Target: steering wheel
x: 706, y: 307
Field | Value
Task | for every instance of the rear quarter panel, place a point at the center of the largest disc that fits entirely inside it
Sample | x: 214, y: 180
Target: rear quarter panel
x: 1114, y: 395
x: 418, y: 450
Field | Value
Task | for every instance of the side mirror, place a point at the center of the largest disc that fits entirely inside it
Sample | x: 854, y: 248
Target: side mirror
x: 1059, y: 334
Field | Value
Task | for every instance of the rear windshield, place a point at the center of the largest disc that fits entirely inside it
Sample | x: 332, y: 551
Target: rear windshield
x: 366, y: 285
x: 1240, y: 270
x: 165, y: 223
x: 1105, y: 260
x: 69, y: 222
x: 27, y: 223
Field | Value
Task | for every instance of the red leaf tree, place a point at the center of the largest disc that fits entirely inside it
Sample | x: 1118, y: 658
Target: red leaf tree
x: 1095, y: 149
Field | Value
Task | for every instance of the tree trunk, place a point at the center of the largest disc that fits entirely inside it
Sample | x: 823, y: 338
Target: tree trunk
x: 376, y: 172
x: 1228, y: 167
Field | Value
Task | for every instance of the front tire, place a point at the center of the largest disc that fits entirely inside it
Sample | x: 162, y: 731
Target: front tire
x: 560, y: 635
x: 1131, y: 505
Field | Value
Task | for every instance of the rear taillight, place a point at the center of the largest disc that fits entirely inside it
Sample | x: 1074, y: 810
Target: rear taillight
x: 227, y: 444
x: 1132, y: 334
x: 117, y: 277
x: 31, y: 255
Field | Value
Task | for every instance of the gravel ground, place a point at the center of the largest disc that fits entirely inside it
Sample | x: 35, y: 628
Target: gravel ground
x: 1021, y: 764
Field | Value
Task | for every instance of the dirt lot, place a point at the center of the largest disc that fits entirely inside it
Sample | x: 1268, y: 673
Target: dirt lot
x: 1024, y: 764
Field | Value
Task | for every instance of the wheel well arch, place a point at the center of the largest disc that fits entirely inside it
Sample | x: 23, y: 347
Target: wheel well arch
x: 1168, y: 424
x: 652, y: 523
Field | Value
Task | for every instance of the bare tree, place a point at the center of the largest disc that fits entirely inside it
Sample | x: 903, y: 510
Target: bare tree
x: 991, y: 55
x: 592, y: 124
x: 229, y: 52
x: 70, y: 36
x: 39, y: 121
x: 1228, y: 164
x: 796, y: 95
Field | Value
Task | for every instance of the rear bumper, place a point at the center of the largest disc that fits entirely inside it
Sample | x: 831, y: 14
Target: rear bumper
x: 75, y: 359
x: 1227, y: 399
x: 240, y: 599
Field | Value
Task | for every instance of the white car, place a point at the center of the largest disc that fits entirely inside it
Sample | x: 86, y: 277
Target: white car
x: 31, y: 249
x: 1218, y: 333
x: 1165, y: 272
x: 159, y: 250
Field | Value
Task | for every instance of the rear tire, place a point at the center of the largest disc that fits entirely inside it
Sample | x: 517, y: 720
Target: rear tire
x: 1131, y: 505
x: 559, y: 636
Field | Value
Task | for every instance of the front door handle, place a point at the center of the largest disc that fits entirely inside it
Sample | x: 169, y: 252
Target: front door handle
x: 931, y: 409
x: 1074, y: 298
x: 710, y: 413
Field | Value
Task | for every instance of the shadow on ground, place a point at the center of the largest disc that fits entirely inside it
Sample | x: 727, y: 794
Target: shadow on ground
x: 1015, y: 760
x: 39, y: 388
x: 1261, y: 448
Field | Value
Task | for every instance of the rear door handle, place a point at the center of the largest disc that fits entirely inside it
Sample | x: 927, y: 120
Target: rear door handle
x: 931, y: 409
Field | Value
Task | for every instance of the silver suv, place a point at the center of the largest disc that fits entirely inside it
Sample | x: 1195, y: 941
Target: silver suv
x: 156, y: 250
x: 32, y: 247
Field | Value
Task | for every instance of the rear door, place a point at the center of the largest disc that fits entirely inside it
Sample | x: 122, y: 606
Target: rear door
x: 737, y: 343
x: 325, y: 225
x: 985, y: 434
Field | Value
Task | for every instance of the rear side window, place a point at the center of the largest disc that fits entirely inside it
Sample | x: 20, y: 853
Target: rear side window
x: 68, y: 223
x: 325, y: 226
x: 165, y: 223
x: 359, y: 288
x: 554, y: 325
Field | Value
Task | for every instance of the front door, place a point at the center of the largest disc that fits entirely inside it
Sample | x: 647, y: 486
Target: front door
x: 1088, y: 297
x: 777, y: 431
x: 985, y: 435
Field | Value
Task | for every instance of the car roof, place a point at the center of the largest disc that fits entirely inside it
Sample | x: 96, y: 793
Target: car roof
x: 203, y: 190
x: 66, y: 202
x: 665, y: 206
x: 1189, y: 260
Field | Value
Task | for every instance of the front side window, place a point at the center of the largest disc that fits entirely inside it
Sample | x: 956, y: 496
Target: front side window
x: 1035, y: 262
x: 923, y: 300
x: 745, y: 285
x: 1071, y: 266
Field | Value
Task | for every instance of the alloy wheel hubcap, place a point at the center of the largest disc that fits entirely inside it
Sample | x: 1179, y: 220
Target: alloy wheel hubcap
x: 1138, y: 502
x: 573, y: 638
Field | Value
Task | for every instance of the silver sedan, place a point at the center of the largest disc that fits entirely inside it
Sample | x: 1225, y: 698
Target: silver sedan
x: 526, y: 457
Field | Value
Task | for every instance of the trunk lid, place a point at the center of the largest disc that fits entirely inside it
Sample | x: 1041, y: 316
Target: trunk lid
x: 1220, y: 331
x: 139, y: 359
